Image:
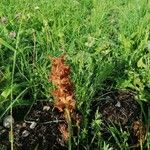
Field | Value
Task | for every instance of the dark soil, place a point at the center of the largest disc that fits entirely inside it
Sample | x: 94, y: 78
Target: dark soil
x: 120, y: 109
x: 39, y: 129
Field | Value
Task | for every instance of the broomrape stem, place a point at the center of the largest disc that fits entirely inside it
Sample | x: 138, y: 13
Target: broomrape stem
x: 68, y: 119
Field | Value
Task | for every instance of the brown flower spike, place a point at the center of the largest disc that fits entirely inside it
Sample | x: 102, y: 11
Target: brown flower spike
x: 60, y: 77
x: 64, y: 98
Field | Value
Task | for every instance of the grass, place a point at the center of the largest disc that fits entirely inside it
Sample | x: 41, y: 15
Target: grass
x: 101, y: 39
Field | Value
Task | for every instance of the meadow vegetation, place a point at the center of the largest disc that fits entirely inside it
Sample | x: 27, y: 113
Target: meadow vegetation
x: 103, y: 40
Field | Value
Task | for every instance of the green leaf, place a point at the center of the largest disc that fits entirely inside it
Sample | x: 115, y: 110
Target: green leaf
x: 138, y: 84
x: 140, y: 63
x: 6, y: 44
x: 6, y: 92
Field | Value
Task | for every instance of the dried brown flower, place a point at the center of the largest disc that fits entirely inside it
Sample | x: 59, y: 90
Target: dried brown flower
x: 60, y: 77
x: 64, y: 98
x: 64, y: 133
x: 139, y: 131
